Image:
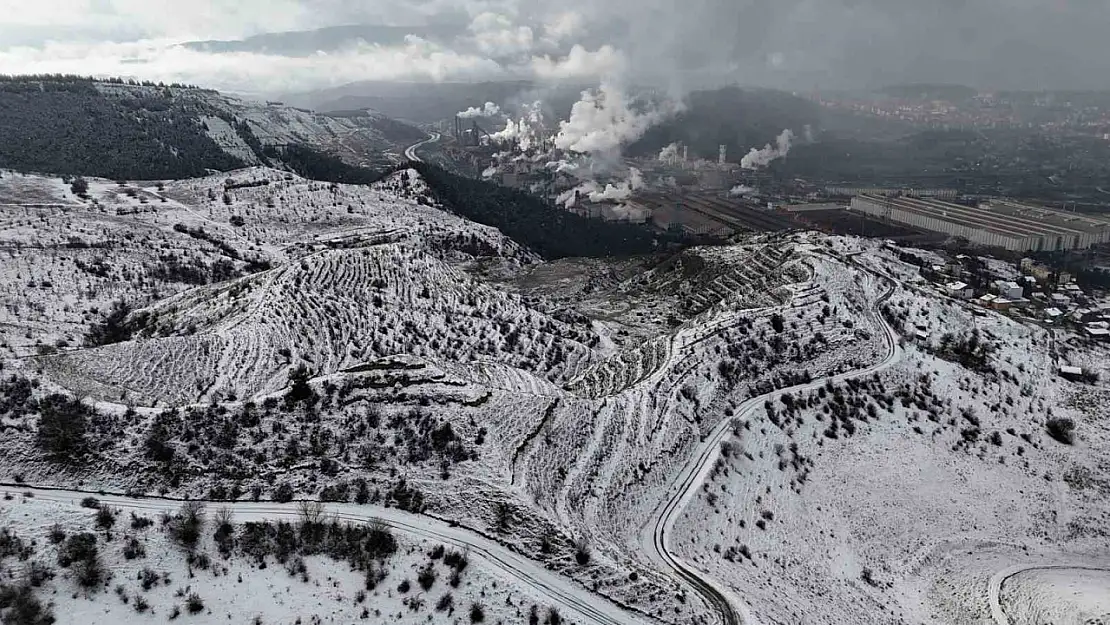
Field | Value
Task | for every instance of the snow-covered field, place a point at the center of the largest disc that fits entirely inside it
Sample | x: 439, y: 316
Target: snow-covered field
x: 742, y: 412
x: 149, y: 575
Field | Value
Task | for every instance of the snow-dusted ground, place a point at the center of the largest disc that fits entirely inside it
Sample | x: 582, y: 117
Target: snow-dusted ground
x: 885, y: 522
x: 571, y: 402
x: 1060, y: 594
x: 238, y: 589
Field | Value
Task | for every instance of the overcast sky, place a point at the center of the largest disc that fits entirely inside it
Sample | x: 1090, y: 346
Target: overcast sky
x: 678, y: 44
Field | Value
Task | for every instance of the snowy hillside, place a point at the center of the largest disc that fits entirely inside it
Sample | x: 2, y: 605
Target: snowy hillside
x: 786, y: 429
x: 114, y: 129
x: 365, y: 138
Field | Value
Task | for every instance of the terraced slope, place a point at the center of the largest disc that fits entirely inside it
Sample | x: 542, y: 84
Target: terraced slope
x: 329, y: 311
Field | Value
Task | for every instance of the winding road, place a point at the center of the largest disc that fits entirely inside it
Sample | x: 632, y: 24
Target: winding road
x: 655, y: 536
x: 578, y: 603
x: 410, y: 152
x: 999, y: 578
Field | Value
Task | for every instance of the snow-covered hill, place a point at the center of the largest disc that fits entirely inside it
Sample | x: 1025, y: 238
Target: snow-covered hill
x: 86, y: 127
x: 754, y: 417
x: 365, y: 137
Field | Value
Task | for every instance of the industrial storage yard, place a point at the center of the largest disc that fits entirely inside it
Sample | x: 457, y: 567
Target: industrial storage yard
x: 994, y: 223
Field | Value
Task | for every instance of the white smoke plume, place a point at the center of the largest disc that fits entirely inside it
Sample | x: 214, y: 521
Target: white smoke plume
x: 604, y: 120
x: 624, y: 212
x: 489, y: 172
x: 489, y: 110
x: 741, y: 190
x: 526, y: 132
x: 761, y: 158
x: 563, y: 166
x: 610, y: 192
x: 669, y: 154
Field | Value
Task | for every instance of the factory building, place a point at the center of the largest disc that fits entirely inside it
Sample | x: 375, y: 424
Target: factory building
x: 944, y: 194
x: 998, y: 223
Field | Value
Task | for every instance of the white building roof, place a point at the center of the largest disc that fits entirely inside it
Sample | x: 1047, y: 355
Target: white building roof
x: 1071, y: 370
x: 1053, y: 312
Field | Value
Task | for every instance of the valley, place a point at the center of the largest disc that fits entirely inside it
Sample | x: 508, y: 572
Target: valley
x: 753, y: 432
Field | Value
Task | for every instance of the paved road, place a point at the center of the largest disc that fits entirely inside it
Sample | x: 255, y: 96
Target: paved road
x: 575, y: 602
x: 410, y: 152
x: 655, y: 536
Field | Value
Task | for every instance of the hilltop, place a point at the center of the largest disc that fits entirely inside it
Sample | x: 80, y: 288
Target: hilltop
x: 131, y: 131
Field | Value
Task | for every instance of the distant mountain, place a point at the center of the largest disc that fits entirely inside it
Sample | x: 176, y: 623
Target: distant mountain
x: 116, y: 129
x: 738, y: 118
x: 309, y: 42
x: 432, y: 102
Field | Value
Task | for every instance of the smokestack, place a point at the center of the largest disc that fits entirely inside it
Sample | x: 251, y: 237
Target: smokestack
x: 685, y: 153
x: 723, y: 155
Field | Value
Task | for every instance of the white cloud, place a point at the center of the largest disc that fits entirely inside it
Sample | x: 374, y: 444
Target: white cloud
x: 162, y: 60
x: 496, y: 35
x: 202, y: 19
x: 580, y: 63
x: 564, y: 26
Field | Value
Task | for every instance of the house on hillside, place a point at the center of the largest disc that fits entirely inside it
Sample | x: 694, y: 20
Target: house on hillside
x: 959, y: 290
x: 1009, y: 290
x: 1074, y: 374
x: 1097, y: 334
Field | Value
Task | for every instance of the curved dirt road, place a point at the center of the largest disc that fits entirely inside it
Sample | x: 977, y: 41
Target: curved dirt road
x: 655, y: 536
x: 999, y: 578
x: 576, y: 602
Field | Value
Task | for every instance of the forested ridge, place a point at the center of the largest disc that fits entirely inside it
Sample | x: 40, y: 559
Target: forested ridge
x: 535, y: 223
x: 66, y: 125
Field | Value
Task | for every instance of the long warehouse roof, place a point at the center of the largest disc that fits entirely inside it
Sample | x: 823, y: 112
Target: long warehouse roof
x: 1008, y: 219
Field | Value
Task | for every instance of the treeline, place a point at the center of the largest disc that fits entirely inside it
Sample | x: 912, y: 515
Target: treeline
x: 316, y: 165
x: 74, y: 78
x: 535, y: 223
x: 65, y: 125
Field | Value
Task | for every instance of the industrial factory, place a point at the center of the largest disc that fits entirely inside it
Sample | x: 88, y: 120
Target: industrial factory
x: 676, y: 191
x: 993, y: 223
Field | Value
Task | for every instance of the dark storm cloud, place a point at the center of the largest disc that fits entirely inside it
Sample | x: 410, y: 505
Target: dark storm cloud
x: 677, y: 44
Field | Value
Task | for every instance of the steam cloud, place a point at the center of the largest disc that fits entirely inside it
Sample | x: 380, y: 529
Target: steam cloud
x: 741, y: 190
x: 526, y: 132
x: 596, y: 193
x: 605, y: 119
x: 669, y: 154
x: 761, y: 158
x: 489, y: 110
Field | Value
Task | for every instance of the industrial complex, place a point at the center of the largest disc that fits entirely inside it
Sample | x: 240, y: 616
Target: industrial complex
x: 994, y: 223
x: 678, y: 191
